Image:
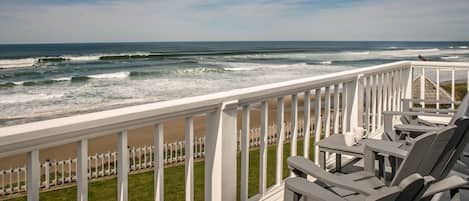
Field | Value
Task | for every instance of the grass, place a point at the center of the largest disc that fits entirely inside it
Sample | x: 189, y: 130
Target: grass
x: 459, y: 90
x: 141, y: 184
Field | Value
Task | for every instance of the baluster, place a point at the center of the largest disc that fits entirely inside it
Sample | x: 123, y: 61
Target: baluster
x: 69, y: 178
x: 327, y: 112
x: 34, y: 176
x: 385, y: 92
x: 245, y: 153
x: 25, y: 177
x: 189, y: 158
x: 263, y: 148
x: 280, y: 140
x: 379, y: 83
x: 122, y: 166
x: 307, y: 123
x: 18, y: 180
x: 96, y: 168
x: 318, y: 126
x: 145, y: 156
x: 336, y: 109
x: 159, y: 162
x: 368, y: 103
x: 82, y: 170
x: 452, y: 88
x: 10, y: 187
x: 56, y: 170
x: 46, y: 175
x: 422, y: 87
x: 294, y: 124
x: 109, y: 172
x: 344, y: 107
x: 102, y: 164
x: 438, y: 88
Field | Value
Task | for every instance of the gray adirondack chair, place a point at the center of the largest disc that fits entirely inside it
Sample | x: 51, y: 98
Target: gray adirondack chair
x: 410, y: 188
x: 413, y: 126
x: 430, y: 154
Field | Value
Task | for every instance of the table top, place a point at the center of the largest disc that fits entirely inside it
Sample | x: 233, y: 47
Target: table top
x: 336, y: 143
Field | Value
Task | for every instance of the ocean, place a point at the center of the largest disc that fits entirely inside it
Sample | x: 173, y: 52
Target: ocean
x: 43, y: 81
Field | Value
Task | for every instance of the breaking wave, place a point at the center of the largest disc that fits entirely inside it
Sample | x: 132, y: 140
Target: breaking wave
x: 449, y: 57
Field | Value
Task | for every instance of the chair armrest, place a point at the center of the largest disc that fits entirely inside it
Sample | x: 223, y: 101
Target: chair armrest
x: 445, y: 184
x: 385, y: 147
x: 415, y: 128
x: 388, y: 120
x: 416, y: 100
x: 310, y: 190
x: 305, y: 166
x: 392, y: 113
x: 432, y: 110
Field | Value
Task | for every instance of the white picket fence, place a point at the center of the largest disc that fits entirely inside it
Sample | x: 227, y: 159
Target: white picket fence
x: 63, y: 172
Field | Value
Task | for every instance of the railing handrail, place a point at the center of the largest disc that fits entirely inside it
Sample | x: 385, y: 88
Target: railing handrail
x: 30, y: 136
x: 439, y: 64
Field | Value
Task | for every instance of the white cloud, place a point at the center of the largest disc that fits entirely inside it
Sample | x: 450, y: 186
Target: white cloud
x: 248, y: 20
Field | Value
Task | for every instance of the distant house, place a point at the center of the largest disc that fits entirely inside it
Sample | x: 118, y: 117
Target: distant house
x: 430, y: 90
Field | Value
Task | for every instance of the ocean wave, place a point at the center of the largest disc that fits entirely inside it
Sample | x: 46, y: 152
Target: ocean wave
x: 245, y: 66
x: 326, y: 62
x: 17, y: 63
x: 358, y: 53
x: 463, y: 47
x: 118, y: 75
x: 449, y: 57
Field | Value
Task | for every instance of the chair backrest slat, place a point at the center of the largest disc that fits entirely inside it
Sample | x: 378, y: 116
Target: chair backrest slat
x: 414, y: 157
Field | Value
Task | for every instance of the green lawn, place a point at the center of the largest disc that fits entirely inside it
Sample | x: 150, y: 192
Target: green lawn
x: 141, y: 185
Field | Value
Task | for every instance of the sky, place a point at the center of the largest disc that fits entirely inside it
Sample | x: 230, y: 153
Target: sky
x: 57, y: 21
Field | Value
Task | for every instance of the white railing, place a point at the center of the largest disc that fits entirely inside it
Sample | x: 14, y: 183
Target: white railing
x: 58, y: 173
x: 351, y: 98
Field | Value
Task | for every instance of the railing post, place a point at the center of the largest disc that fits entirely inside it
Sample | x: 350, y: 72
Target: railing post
x: 355, y: 106
x: 82, y: 170
x: 159, y: 163
x: 220, y: 150
x: 122, y: 166
x: 34, y: 176
x: 189, y: 158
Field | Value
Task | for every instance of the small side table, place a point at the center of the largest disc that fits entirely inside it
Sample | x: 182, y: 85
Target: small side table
x: 336, y: 144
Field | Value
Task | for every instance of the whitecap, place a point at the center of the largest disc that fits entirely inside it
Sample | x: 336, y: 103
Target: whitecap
x: 62, y: 79
x: 463, y: 47
x: 326, y: 62
x: 359, y: 53
x: 118, y: 75
x: 17, y: 63
x: 83, y: 58
x: 450, y: 57
x: 238, y: 68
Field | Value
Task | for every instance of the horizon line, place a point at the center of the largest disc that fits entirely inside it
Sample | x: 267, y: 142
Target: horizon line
x: 218, y: 41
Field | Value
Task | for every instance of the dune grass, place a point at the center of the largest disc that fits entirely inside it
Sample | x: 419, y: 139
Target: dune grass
x: 141, y: 184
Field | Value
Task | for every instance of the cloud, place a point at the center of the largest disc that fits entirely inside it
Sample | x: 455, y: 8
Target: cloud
x: 201, y: 20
